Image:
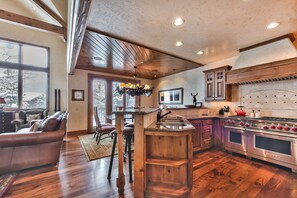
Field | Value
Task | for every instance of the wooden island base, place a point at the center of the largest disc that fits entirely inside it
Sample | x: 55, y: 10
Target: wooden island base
x: 169, y: 162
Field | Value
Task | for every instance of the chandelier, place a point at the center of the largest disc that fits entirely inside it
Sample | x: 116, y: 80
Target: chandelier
x: 134, y: 89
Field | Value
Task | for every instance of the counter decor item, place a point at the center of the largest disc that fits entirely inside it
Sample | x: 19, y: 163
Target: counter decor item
x: 252, y: 114
x: 240, y: 111
x: 134, y: 89
x: 194, y: 98
x: 258, y: 114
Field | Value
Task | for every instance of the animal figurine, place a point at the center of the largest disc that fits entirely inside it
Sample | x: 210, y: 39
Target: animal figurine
x: 194, y: 98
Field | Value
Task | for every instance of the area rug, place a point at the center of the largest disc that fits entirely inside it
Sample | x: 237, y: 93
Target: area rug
x: 94, y: 151
x: 6, y: 182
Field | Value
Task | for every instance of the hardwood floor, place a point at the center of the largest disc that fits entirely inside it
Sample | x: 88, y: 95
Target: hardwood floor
x: 216, y: 174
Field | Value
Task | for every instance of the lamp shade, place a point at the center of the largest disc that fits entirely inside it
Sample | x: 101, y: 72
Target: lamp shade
x: 2, y: 101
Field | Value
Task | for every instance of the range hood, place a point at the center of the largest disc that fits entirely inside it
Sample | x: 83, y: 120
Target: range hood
x: 267, y: 62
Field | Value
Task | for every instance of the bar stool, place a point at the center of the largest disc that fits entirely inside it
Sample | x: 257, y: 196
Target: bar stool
x: 128, y: 133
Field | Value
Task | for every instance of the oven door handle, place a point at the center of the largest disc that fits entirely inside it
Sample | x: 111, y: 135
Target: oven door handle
x: 271, y: 133
x: 233, y: 127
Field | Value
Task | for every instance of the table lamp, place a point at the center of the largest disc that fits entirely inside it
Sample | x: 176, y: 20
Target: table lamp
x: 2, y: 102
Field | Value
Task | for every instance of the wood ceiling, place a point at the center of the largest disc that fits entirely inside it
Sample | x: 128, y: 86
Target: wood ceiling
x: 105, y: 54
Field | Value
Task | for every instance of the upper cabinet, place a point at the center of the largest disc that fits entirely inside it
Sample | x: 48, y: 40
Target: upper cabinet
x: 216, y: 88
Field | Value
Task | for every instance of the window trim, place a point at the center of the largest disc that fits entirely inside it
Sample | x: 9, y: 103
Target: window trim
x: 21, y: 67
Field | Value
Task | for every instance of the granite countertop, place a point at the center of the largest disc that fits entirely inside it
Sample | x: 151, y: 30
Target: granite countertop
x: 162, y: 127
x: 141, y: 111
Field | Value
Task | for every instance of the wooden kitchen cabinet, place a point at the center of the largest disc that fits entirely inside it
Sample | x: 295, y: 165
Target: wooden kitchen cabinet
x: 203, y: 134
x: 216, y: 88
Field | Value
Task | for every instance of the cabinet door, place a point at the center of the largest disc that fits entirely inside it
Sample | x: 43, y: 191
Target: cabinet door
x: 206, y: 136
x: 219, y: 93
x: 209, y: 86
x: 196, y: 135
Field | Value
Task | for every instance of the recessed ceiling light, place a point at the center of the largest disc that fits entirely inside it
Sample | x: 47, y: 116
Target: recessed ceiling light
x: 272, y: 25
x: 34, y: 8
x: 179, y: 43
x: 178, y: 21
x: 200, y: 52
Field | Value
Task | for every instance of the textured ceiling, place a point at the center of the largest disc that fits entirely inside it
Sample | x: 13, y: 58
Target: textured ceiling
x: 218, y: 27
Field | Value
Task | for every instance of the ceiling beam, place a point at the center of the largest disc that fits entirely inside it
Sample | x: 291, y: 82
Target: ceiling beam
x: 29, y: 22
x: 76, y: 31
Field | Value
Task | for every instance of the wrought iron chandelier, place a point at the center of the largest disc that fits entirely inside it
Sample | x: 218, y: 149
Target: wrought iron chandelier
x: 134, y: 89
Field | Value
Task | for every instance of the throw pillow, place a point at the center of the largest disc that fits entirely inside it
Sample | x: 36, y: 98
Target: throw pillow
x: 31, y: 117
x: 35, y: 127
x: 49, y: 124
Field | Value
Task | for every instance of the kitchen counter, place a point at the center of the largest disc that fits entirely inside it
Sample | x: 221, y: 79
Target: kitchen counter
x: 138, y: 111
x: 161, y: 127
x: 169, y: 155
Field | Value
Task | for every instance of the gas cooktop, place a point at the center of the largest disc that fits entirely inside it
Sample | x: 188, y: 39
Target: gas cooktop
x: 276, y: 119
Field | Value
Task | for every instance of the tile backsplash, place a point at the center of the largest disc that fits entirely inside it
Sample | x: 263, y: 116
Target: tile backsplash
x: 277, y: 99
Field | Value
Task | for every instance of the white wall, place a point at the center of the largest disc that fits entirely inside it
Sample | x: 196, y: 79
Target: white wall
x: 78, y: 121
x: 58, y: 69
x: 193, y: 82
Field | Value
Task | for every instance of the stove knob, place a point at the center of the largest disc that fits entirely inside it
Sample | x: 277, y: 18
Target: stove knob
x: 287, y: 128
x: 294, y: 129
x: 272, y: 126
x: 241, y: 123
x: 247, y: 124
x: 279, y: 127
x: 265, y: 127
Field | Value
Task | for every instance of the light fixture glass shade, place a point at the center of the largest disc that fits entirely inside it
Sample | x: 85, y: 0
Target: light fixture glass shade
x: 134, y: 89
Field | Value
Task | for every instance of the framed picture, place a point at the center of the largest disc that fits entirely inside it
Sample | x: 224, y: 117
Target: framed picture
x: 171, y: 96
x: 78, y: 95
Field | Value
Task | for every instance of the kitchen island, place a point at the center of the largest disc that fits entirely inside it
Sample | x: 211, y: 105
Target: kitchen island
x: 162, y: 154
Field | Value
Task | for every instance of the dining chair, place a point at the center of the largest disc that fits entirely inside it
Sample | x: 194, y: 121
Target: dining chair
x: 101, y: 129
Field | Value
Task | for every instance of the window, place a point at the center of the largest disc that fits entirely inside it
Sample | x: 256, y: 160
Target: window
x: 23, y: 75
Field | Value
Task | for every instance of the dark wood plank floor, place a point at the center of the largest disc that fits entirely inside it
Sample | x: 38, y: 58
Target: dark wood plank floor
x: 216, y: 174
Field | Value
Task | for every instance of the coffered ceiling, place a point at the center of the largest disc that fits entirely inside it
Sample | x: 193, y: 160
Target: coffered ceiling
x: 219, y: 28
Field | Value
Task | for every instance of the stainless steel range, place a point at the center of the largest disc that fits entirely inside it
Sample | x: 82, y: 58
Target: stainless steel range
x: 268, y: 138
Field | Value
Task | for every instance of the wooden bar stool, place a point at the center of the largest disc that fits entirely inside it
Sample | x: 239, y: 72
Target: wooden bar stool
x: 128, y: 133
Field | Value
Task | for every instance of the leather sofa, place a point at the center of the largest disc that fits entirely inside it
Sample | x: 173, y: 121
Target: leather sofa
x: 25, y: 149
x: 25, y: 117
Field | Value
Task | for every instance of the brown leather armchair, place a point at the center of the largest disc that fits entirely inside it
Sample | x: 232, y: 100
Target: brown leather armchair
x: 24, y: 150
x: 25, y: 117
